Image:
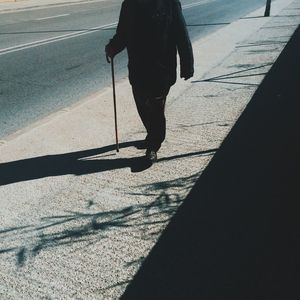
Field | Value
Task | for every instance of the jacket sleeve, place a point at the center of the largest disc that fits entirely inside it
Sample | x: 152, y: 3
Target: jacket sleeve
x: 120, y: 39
x: 183, y: 42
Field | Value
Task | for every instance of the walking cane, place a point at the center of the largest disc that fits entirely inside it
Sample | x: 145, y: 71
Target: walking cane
x: 268, y: 8
x: 115, y: 103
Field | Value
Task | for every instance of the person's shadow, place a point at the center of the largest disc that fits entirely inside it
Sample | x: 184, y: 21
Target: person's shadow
x: 77, y: 163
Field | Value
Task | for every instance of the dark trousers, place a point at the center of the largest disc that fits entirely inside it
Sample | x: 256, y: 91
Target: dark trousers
x: 152, y: 113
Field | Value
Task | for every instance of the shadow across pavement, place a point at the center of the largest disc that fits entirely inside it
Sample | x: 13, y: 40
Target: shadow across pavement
x: 80, y: 163
x: 236, y: 236
x: 77, y: 163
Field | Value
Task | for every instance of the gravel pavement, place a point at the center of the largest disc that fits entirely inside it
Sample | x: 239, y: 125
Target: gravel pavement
x: 76, y: 219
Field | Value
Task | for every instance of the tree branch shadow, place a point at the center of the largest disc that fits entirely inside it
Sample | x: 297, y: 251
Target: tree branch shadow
x: 86, y: 227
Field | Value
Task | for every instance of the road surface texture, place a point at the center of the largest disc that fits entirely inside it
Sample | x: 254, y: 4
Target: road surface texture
x: 53, y: 56
x: 77, y: 221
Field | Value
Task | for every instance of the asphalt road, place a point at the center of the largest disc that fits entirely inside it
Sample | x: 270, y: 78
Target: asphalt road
x: 52, y: 57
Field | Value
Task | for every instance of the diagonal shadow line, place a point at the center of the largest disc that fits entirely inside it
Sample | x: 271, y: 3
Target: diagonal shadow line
x: 236, y: 72
x: 66, y: 220
x: 285, y: 16
x: 11, y: 229
x: 211, y: 151
x: 228, y: 82
x: 256, y: 17
x: 208, y: 24
x: 76, y: 215
x: 262, y: 44
x: 261, y: 50
x: 74, y: 163
x: 279, y: 26
x: 240, y: 76
x: 8, y: 250
x: 121, y: 283
x: 206, y: 123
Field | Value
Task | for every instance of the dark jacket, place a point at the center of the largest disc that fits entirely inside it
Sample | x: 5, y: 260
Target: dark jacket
x: 153, y: 31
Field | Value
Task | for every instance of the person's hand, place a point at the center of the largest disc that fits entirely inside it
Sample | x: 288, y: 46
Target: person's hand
x: 109, y: 53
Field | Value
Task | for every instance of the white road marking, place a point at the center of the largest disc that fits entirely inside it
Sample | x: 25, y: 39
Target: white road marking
x: 52, y: 17
x: 186, y: 6
x: 51, y: 6
x: 74, y: 34
x: 53, y: 39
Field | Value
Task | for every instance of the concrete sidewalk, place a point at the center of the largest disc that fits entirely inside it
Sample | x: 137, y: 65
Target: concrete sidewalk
x: 75, y: 221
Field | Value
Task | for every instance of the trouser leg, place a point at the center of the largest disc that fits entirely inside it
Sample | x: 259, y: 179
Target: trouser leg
x: 141, y: 105
x: 152, y: 113
x: 157, y: 132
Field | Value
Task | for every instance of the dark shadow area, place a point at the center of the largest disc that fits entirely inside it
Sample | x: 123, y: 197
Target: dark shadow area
x: 236, y: 235
x: 61, y: 164
x: 78, y: 163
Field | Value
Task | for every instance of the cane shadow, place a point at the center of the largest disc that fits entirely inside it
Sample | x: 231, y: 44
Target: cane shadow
x: 79, y: 163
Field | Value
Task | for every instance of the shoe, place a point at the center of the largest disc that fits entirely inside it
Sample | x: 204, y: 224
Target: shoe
x: 151, y: 156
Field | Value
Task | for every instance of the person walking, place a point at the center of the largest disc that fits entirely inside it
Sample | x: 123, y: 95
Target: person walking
x: 153, y: 32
